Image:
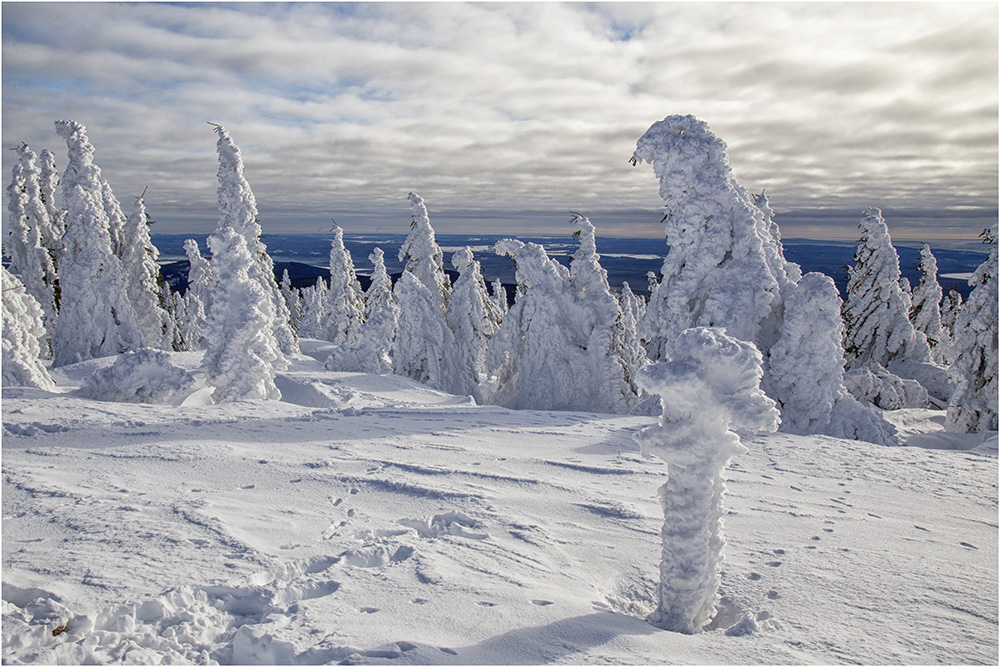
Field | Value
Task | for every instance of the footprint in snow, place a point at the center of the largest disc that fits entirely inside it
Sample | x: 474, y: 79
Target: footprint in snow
x: 368, y: 610
x: 542, y: 603
x: 753, y: 576
x: 921, y: 528
x: 969, y: 546
x: 774, y: 563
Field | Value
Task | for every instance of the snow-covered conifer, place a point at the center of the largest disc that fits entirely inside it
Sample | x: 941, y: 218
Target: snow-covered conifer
x: 973, y: 406
x: 292, y: 300
x: 925, y: 308
x: 144, y: 284
x: 424, y: 345
x: 30, y: 261
x: 373, y: 352
x: 470, y: 319
x: 345, y: 302
x: 243, y: 351
x: 192, y: 319
x: 314, y: 304
x: 878, y: 327
x: 633, y: 353
x: 807, y: 368
x: 712, y: 385
x: 238, y: 211
x: 48, y: 181
x: 22, y: 329
x: 499, y: 295
x: 96, y: 318
x: 379, y: 294
x: 950, y: 308
x: 421, y: 255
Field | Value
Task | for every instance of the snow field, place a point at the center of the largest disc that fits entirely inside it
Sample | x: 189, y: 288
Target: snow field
x: 369, y: 519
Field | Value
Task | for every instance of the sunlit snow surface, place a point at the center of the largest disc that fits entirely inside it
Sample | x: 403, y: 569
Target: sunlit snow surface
x: 368, y: 519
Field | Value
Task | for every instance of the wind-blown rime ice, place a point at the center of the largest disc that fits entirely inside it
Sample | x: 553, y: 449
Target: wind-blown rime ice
x: 96, y: 318
x: 711, y: 385
x: 22, y: 330
x: 973, y: 406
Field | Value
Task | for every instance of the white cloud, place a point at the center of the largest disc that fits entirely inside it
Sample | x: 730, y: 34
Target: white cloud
x: 343, y: 109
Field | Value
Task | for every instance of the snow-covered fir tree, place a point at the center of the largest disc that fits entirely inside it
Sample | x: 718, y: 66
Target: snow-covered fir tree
x: 878, y: 327
x: 379, y: 294
x: 421, y: 255
x: 345, y: 301
x: 633, y: 353
x: 238, y: 210
x: 243, y: 352
x: 807, y: 364
x: 709, y: 390
x: 950, y: 307
x: 292, y: 300
x: 48, y: 182
x: 925, y: 307
x: 314, y: 305
x: 499, y: 295
x: 472, y: 323
x: 376, y: 338
x: 144, y: 284
x: 22, y: 331
x: 973, y: 372
x: 30, y: 261
x: 424, y: 345
x: 192, y: 319
x: 96, y: 318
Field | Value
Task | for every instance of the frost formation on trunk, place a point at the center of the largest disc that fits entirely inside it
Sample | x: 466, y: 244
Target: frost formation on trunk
x: 96, y: 318
x: 243, y: 352
x: 23, y: 330
x: 709, y: 389
x: 238, y: 211
x: 973, y: 405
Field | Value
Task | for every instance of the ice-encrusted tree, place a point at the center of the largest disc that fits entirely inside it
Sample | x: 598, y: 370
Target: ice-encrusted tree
x: 633, y: 353
x: 950, y: 307
x: 373, y: 352
x: 499, y: 295
x: 144, y: 284
x: 724, y: 267
x: 312, y: 324
x: 973, y: 405
x: 30, y: 261
x: 807, y: 369
x: 22, y: 331
x: 238, y: 211
x: 48, y: 181
x: 243, y: 352
x: 877, y: 323
x: 925, y: 307
x: 292, y: 300
x: 421, y: 255
x: 345, y: 301
x: 472, y: 322
x: 709, y: 390
x: 96, y: 318
x: 192, y: 319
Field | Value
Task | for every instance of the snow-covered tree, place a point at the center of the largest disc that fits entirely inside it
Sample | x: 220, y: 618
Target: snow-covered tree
x: 472, y: 323
x: 30, y: 261
x: 192, y: 318
x: 710, y: 389
x: 421, y: 255
x: 950, y: 308
x: 973, y: 406
x: 238, y: 211
x: 633, y: 353
x: 96, y: 318
x: 372, y: 353
x: 314, y: 304
x: 22, y: 330
x: 878, y: 327
x: 807, y: 368
x: 292, y: 300
x: 424, y: 345
x: 243, y: 351
x: 48, y: 181
x: 345, y: 301
x: 144, y: 284
x: 925, y: 308
x: 725, y: 266
x: 499, y: 295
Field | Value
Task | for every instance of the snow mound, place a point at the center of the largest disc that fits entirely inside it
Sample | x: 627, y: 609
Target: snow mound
x: 143, y: 376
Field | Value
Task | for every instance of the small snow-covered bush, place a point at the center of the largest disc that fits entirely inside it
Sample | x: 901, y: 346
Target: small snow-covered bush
x: 143, y: 376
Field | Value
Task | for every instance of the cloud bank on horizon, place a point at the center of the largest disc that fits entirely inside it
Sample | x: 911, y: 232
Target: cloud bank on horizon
x: 507, y: 116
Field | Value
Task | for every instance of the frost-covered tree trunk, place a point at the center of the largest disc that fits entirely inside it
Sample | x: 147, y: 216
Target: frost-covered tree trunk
x: 314, y: 317
x: 238, y: 211
x: 345, y: 302
x: 973, y: 406
x: 724, y: 267
x: 22, y: 331
x: 878, y: 328
x: 373, y: 352
x: 472, y: 323
x: 711, y: 385
x: 421, y: 255
x: 243, y: 352
x: 807, y: 369
x: 96, y: 318
x: 144, y: 285
x: 30, y: 261
x: 925, y: 307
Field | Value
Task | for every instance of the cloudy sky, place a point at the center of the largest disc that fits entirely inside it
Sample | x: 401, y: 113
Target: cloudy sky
x: 505, y: 117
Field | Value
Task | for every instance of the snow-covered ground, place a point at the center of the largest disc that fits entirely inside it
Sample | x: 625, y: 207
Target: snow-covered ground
x: 369, y: 519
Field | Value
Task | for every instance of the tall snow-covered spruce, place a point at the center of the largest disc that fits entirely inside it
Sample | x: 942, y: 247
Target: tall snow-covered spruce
x: 345, y: 302
x: 144, y: 285
x: 96, y: 318
x: 473, y: 321
x: 925, y: 307
x: 710, y: 389
x: 238, y: 211
x: 726, y: 268
x: 376, y: 338
x: 22, y: 331
x: 973, y: 406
